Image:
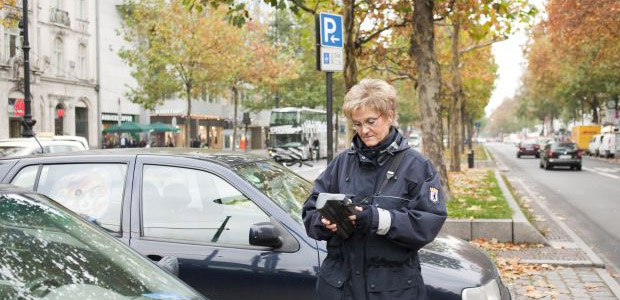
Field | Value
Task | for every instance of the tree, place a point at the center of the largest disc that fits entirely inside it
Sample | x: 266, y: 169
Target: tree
x: 479, y: 24
x: 251, y: 62
x: 429, y: 82
x: 173, y: 51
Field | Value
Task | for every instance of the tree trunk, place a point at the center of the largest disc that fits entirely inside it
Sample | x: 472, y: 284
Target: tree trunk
x: 188, y: 90
x: 464, y: 123
x: 235, y: 103
x: 423, y: 52
x: 350, y: 64
x: 455, y: 104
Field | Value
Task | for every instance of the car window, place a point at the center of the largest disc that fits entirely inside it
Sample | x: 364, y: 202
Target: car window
x: 282, y: 186
x: 564, y: 146
x: 196, y: 206
x: 48, y: 253
x: 6, y: 151
x: 94, y: 191
x: 26, y: 177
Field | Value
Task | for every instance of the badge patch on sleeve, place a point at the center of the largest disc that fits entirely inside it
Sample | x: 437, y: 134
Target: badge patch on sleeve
x: 433, y: 194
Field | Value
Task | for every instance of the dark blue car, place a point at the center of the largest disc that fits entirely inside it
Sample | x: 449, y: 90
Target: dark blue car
x: 232, y: 220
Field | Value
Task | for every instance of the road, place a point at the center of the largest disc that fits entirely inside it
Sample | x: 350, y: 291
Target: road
x: 588, y: 200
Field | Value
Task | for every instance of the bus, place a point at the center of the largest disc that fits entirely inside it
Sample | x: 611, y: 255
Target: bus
x: 295, y: 132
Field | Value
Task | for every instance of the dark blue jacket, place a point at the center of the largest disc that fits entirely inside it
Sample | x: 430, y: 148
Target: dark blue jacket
x: 372, y: 266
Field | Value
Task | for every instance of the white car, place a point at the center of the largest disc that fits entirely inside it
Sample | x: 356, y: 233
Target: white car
x: 48, y: 144
x: 595, y: 143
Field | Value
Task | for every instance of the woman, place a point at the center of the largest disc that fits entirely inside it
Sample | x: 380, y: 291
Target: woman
x: 395, y: 215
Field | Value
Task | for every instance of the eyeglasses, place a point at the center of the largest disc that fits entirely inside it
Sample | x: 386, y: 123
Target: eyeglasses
x: 370, y: 123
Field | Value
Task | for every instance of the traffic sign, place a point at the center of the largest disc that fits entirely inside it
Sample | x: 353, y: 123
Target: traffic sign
x: 331, y: 30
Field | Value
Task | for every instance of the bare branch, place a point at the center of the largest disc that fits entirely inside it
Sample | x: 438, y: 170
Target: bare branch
x: 481, y: 45
x: 300, y: 5
x: 363, y: 40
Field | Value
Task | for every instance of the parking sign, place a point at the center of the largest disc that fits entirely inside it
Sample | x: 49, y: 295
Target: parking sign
x: 331, y: 30
x: 329, y: 41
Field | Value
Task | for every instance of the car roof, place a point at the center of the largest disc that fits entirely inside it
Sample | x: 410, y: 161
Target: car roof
x: 55, y: 140
x: 228, y: 159
x: 9, y: 188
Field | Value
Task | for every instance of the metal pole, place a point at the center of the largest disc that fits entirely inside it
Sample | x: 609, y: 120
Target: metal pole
x: 330, y: 125
x: 27, y: 122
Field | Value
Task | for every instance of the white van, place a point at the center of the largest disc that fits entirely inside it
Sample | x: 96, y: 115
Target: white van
x: 48, y: 144
x: 595, y: 143
x: 608, y: 145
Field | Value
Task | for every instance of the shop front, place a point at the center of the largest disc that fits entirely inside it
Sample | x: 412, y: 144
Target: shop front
x: 205, y: 130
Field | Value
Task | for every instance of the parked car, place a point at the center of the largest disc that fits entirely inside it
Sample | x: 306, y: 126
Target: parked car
x: 528, y: 147
x: 414, y: 140
x: 561, y: 154
x: 607, y: 147
x: 228, y: 218
x: 45, y: 144
x: 595, y: 143
x: 49, y: 252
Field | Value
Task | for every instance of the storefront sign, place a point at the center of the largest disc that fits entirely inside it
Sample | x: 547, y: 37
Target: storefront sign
x: 114, y: 118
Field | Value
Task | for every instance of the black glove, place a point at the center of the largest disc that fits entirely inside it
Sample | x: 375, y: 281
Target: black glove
x: 363, y: 220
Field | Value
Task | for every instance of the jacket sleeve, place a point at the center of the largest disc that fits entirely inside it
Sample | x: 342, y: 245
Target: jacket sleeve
x: 326, y: 182
x: 419, y: 222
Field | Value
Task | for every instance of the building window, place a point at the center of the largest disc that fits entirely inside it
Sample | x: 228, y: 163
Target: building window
x: 81, y: 60
x: 57, y: 56
x: 57, y: 4
x: 59, y: 119
x: 81, y: 122
x: 81, y: 10
x: 11, y: 43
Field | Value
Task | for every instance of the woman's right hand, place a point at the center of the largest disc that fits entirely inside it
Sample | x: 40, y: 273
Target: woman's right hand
x: 328, y: 224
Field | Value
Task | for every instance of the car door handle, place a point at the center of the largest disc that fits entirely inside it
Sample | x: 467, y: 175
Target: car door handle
x: 154, y: 257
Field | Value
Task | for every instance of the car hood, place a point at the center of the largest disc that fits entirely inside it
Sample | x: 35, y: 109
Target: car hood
x: 453, y: 264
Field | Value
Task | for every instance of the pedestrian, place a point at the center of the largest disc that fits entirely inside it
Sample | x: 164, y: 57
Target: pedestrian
x: 399, y: 205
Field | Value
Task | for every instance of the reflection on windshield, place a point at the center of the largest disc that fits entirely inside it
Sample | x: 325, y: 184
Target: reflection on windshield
x: 46, y: 253
x: 282, y: 186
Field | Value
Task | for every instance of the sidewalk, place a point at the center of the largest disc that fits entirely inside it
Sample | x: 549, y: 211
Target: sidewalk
x: 566, y: 268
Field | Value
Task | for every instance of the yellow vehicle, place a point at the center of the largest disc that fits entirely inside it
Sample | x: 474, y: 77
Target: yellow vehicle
x: 582, y: 134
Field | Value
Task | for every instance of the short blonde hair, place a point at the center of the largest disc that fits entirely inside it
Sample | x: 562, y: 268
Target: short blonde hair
x: 371, y: 93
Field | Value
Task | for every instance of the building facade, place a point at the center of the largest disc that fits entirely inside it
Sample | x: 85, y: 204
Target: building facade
x: 63, y: 88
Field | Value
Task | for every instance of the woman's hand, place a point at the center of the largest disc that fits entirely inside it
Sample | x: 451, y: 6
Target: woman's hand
x: 328, y: 224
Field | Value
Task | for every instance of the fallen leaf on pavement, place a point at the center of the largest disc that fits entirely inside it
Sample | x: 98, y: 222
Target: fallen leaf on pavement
x: 535, y: 294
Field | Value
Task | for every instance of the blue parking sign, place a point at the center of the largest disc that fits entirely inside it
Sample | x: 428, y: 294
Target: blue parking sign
x: 331, y: 30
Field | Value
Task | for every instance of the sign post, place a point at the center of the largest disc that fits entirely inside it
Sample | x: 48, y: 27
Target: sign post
x: 27, y: 121
x: 329, y: 59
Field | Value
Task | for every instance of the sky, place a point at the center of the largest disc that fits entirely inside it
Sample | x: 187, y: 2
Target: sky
x: 509, y: 57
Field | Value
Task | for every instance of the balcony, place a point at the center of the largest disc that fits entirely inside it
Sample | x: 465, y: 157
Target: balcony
x: 81, y: 25
x: 59, y: 16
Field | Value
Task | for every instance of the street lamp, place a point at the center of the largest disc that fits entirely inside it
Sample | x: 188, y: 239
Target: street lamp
x: 27, y: 121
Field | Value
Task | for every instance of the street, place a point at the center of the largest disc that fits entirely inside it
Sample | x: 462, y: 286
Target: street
x: 587, y: 201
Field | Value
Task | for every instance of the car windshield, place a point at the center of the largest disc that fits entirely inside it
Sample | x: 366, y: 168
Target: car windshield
x: 564, y: 146
x: 282, y: 186
x: 47, y: 252
x: 6, y: 151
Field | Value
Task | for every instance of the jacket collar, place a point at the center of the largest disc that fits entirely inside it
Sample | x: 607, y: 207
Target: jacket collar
x: 398, y: 144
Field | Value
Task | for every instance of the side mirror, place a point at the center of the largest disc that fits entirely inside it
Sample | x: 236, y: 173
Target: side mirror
x: 170, y: 264
x: 265, y: 234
